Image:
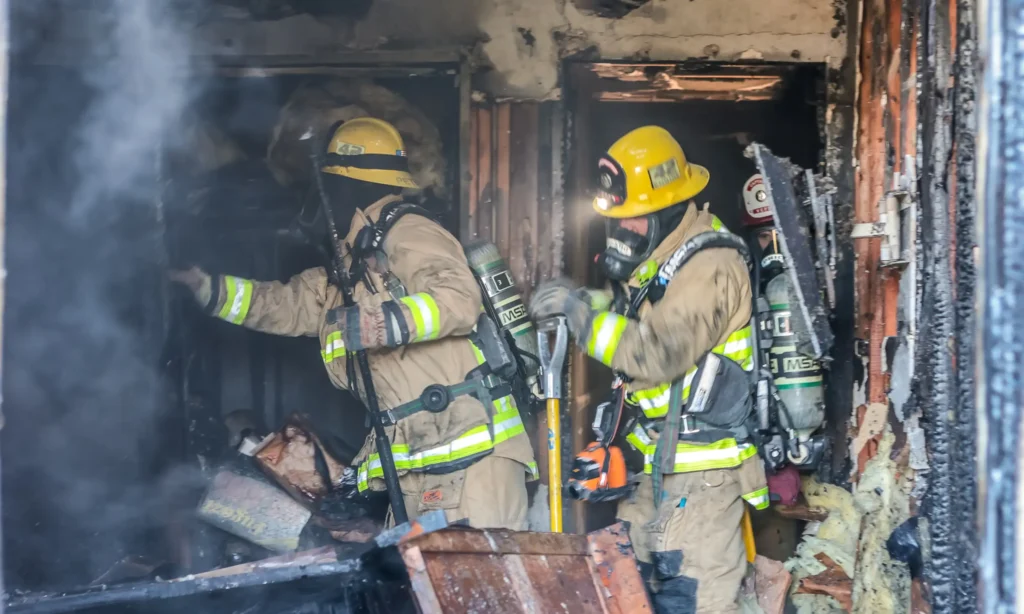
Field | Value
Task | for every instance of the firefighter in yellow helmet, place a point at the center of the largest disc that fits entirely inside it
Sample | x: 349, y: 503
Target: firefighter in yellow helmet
x: 417, y: 304
x: 680, y: 292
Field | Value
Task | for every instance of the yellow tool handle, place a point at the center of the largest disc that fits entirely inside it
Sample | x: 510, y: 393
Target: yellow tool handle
x: 748, y: 534
x: 555, y: 465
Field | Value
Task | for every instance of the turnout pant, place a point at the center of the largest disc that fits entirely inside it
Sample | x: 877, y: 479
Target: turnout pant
x: 490, y: 493
x: 690, y: 544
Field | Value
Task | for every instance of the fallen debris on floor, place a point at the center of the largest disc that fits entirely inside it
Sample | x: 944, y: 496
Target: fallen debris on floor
x: 832, y: 582
x: 844, y: 561
x: 772, y: 583
x: 242, y: 502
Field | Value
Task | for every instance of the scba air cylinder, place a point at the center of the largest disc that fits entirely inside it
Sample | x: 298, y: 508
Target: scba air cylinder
x: 798, y: 377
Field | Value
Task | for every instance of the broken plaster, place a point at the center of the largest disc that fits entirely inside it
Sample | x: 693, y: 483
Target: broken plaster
x: 874, y: 423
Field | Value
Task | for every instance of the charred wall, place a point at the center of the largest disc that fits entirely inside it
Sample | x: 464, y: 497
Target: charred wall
x: 914, y: 314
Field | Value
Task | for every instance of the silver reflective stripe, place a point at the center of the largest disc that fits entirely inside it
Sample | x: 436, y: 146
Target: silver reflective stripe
x: 426, y: 313
x: 758, y: 498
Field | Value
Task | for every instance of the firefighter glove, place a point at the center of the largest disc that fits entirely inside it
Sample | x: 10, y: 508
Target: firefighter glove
x: 558, y: 297
x: 196, y: 280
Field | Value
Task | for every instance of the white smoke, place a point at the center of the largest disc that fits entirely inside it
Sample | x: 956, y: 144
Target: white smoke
x: 144, y: 86
x: 86, y: 403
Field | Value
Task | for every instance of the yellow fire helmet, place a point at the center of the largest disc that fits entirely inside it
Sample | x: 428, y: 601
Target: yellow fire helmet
x: 646, y: 171
x: 371, y: 150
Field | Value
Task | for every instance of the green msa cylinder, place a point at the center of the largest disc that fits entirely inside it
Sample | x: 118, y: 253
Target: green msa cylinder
x: 505, y: 304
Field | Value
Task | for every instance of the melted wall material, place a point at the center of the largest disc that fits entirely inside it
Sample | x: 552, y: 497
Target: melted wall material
x: 946, y: 280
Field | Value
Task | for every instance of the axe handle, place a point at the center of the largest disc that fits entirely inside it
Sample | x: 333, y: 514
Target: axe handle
x: 555, y: 464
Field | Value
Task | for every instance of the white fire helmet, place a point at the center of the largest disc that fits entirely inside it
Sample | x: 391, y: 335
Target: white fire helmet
x: 757, y: 203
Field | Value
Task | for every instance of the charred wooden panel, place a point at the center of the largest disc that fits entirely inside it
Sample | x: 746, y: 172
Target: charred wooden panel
x: 515, y: 201
x: 522, y: 573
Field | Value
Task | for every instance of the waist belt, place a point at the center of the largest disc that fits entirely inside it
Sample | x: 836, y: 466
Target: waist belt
x: 436, y: 398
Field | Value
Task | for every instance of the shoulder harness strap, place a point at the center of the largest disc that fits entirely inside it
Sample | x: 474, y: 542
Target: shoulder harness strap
x: 710, y: 239
x: 370, y: 238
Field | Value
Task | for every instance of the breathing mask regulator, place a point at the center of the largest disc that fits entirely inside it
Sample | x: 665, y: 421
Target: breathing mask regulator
x: 631, y: 241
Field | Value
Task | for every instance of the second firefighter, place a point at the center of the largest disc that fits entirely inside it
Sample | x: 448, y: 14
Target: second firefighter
x: 680, y: 300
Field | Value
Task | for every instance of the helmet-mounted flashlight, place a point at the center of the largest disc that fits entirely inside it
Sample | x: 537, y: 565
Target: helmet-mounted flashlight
x: 612, y: 189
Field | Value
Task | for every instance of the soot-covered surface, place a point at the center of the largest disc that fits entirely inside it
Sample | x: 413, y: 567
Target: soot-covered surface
x: 115, y: 385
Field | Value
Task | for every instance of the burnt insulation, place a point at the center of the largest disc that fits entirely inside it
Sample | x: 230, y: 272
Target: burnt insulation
x: 1001, y: 330
x: 965, y: 467
x: 935, y: 384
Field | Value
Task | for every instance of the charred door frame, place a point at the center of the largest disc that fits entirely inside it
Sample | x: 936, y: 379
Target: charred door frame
x: 836, y: 126
x: 429, y: 64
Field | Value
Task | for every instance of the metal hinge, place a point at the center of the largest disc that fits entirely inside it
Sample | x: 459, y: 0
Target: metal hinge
x: 896, y: 227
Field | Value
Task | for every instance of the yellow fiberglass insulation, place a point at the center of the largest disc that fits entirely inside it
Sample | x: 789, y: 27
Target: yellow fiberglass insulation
x: 319, y: 105
x: 854, y: 537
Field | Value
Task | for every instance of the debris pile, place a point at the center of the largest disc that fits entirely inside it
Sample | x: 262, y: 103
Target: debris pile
x: 286, y: 490
x: 844, y: 563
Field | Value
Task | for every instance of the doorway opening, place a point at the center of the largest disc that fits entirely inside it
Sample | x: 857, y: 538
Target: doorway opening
x: 714, y: 110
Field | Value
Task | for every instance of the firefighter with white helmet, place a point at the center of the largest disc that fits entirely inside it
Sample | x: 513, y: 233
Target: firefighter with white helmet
x: 676, y: 330
x: 416, y: 308
x: 797, y: 376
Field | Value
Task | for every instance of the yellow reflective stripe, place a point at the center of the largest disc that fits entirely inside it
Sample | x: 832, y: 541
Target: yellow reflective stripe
x: 646, y: 272
x: 717, y: 225
x: 507, y: 422
x: 722, y: 454
x: 334, y: 347
x: 654, y: 401
x: 470, y: 443
x: 479, y: 354
x: 605, y: 334
x: 425, y: 315
x: 237, y: 301
x: 738, y: 346
x: 758, y: 498
x: 639, y: 440
x: 531, y: 467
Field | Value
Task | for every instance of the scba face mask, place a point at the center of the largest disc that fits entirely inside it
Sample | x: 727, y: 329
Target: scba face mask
x: 629, y: 242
